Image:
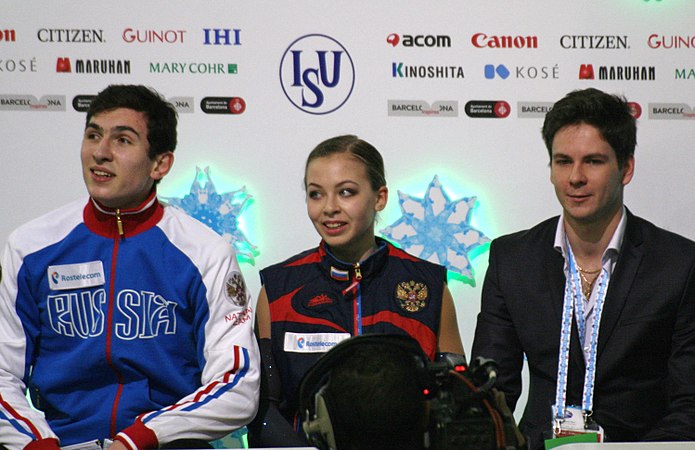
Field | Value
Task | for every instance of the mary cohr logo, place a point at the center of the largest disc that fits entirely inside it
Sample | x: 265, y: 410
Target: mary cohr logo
x: 317, y: 74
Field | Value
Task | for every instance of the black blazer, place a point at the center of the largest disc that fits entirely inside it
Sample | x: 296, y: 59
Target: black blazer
x: 645, y: 378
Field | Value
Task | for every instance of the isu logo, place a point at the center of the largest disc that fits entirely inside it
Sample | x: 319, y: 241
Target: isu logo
x: 317, y: 74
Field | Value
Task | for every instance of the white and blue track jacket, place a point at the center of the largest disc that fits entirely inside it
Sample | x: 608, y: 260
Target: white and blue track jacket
x: 134, y: 323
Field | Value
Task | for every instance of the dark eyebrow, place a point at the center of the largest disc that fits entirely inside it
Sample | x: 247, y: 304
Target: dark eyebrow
x: 93, y: 126
x: 117, y: 129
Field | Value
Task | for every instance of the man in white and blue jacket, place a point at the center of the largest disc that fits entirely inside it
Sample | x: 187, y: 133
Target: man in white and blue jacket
x: 125, y: 319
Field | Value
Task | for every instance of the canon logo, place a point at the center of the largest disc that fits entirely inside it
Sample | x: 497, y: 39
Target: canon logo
x: 8, y: 35
x: 482, y: 40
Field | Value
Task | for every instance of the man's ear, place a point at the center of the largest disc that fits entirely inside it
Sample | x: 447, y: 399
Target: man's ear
x: 162, y: 165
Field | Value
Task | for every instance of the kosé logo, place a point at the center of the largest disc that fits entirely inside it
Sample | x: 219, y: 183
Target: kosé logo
x: 317, y: 74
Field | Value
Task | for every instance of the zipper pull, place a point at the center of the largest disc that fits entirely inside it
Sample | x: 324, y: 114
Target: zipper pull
x: 355, y: 280
x: 358, y: 273
x: 119, y: 222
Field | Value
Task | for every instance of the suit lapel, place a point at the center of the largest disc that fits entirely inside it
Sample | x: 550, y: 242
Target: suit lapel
x: 622, y: 279
x: 555, y: 275
x: 555, y: 280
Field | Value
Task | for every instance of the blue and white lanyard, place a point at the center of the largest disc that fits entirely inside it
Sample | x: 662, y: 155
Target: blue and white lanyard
x: 574, y: 299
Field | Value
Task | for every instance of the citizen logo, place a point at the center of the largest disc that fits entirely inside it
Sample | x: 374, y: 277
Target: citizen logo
x: 8, y: 35
x: 594, y: 42
x: 482, y: 40
x: 419, y: 40
x: 221, y: 36
x: 131, y: 35
x: 657, y: 41
x: 85, y: 36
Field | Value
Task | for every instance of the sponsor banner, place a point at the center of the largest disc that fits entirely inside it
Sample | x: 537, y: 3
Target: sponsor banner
x: 488, y: 109
x: 194, y: 68
x: 671, y: 111
x: 617, y: 73
x: 15, y: 102
x: 420, y: 108
x: 19, y: 65
x: 657, y: 41
x: 533, y: 110
x: 81, y: 103
x: 221, y: 36
x: 223, y: 105
x: 420, y: 40
x: 402, y: 70
x: 482, y: 40
x: 9, y: 35
x: 70, y: 35
x: 131, y: 35
x: 594, y: 42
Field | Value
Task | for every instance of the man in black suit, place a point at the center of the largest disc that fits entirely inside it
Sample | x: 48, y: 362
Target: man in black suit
x: 597, y: 264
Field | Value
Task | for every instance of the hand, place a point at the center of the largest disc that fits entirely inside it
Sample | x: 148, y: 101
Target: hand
x: 117, y: 445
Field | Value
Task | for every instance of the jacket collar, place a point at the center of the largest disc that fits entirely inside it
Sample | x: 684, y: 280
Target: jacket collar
x: 345, y: 271
x: 123, y: 223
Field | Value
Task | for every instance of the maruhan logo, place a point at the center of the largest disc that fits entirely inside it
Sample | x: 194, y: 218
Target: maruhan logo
x: 420, y: 108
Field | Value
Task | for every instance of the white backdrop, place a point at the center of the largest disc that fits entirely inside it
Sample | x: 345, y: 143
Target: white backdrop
x: 501, y: 161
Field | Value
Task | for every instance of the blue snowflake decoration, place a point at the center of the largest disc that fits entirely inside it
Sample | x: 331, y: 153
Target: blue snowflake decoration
x: 438, y: 230
x: 218, y: 211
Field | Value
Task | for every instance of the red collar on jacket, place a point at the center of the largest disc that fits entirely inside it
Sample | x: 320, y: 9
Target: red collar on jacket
x: 112, y: 223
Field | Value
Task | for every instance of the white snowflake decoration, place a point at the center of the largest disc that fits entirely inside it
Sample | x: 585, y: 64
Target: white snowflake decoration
x: 218, y: 211
x: 439, y: 230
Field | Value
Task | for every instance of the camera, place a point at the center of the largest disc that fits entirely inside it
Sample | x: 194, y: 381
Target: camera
x: 465, y: 411
x: 381, y: 391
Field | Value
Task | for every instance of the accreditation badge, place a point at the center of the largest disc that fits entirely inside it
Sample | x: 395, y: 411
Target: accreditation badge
x: 575, y: 422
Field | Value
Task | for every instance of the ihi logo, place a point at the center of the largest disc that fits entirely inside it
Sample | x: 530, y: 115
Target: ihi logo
x: 317, y: 74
